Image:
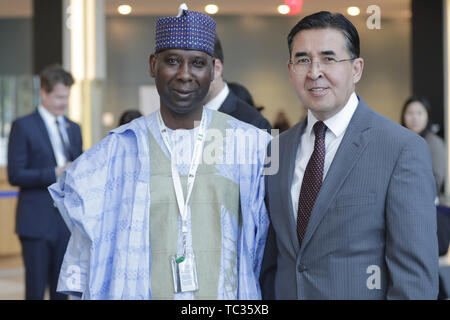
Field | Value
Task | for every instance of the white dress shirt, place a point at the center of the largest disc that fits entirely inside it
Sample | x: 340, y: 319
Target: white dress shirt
x: 58, y: 148
x: 215, y: 103
x: 337, y: 125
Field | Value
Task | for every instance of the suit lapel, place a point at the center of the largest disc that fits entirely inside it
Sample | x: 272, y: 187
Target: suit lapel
x: 291, y: 146
x: 352, y: 145
x: 45, y: 135
x: 229, y: 104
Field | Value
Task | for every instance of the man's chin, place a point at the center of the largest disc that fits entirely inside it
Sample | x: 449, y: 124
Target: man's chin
x: 183, y: 110
x: 58, y: 114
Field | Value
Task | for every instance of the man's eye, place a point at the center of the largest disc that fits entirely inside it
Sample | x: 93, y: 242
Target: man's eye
x: 303, y: 61
x: 329, y: 59
x: 172, y: 61
x: 199, y: 63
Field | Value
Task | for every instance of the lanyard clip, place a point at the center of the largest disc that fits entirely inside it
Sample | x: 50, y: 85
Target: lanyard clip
x: 183, y: 255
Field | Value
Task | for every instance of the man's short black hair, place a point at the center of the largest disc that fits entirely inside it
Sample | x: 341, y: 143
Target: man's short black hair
x: 128, y: 116
x: 54, y: 74
x: 323, y: 20
x: 218, y: 52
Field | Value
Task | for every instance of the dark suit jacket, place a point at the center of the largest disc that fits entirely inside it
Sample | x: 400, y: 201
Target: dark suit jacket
x: 241, y: 110
x: 372, y: 230
x: 31, y: 166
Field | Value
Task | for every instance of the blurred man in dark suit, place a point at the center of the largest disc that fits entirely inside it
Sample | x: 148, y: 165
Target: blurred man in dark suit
x: 41, y: 145
x: 221, y: 98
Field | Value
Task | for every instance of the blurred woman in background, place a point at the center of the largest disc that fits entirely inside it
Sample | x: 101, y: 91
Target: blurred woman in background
x: 416, y: 117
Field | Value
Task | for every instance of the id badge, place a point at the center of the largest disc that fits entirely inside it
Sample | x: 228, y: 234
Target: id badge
x: 184, y: 273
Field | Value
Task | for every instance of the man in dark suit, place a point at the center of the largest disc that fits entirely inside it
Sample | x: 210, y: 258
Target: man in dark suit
x: 41, y: 145
x: 221, y: 98
x: 352, y: 206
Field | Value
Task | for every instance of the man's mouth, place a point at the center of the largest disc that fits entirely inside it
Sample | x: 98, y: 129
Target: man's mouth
x: 182, y: 92
x: 318, y: 91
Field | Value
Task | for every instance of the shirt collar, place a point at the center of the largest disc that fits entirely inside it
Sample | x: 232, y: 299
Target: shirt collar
x: 217, y: 101
x: 47, y: 115
x: 338, y: 123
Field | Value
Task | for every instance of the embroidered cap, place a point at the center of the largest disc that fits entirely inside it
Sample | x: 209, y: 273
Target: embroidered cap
x: 189, y: 30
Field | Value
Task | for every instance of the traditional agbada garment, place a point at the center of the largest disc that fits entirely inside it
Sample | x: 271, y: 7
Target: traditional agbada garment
x: 118, y: 201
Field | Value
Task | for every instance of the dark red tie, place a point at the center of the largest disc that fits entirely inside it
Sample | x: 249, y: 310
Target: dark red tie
x: 312, y: 180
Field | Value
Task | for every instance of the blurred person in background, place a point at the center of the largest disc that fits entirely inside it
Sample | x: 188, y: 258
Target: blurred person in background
x: 416, y: 116
x: 242, y: 92
x: 281, y: 123
x: 221, y: 98
x: 41, y: 146
x: 128, y: 116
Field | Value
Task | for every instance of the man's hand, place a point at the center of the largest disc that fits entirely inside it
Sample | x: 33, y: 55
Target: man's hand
x: 61, y: 169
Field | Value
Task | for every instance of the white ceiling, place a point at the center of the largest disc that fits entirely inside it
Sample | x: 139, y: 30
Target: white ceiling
x: 389, y: 8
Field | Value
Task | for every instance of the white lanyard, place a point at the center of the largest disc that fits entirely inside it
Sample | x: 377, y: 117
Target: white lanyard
x: 182, y: 204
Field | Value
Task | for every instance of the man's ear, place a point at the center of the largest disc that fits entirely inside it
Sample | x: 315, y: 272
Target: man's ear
x: 44, y: 93
x: 152, y: 65
x: 290, y: 71
x: 213, y: 69
x: 358, y: 66
x: 218, y: 69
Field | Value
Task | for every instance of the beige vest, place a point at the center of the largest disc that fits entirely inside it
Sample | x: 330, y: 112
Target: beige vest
x: 210, y: 195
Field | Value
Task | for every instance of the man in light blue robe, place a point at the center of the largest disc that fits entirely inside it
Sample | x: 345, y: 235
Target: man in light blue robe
x: 119, y: 201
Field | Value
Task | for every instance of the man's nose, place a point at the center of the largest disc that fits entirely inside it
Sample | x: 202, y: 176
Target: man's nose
x: 315, y: 70
x: 184, y: 72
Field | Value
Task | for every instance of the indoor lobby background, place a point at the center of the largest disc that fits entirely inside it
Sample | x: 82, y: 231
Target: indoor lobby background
x: 404, y: 54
